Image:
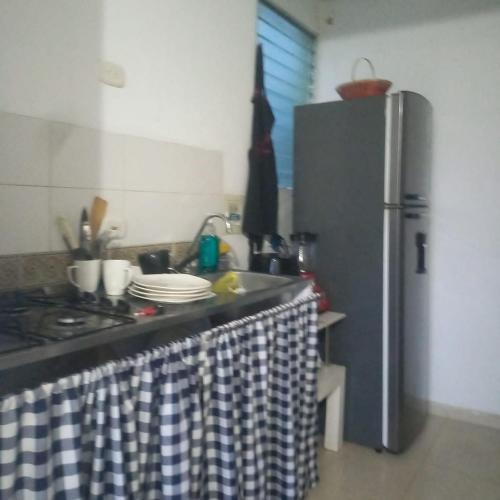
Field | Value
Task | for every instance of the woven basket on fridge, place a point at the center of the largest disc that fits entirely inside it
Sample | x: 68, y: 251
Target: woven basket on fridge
x: 363, y: 88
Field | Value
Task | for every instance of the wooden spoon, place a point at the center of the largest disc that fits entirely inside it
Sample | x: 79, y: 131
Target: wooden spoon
x: 97, y: 214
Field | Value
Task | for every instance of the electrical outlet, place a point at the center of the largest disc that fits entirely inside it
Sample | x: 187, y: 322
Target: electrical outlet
x: 234, y: 211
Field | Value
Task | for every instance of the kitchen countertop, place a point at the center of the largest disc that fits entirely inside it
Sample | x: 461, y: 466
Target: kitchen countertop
x: 31, y: 366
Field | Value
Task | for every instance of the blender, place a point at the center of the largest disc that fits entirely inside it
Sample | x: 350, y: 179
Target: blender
x: 304, y: 248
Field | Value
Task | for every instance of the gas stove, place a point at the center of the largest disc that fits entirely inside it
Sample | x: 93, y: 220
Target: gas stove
x: 38, y: 317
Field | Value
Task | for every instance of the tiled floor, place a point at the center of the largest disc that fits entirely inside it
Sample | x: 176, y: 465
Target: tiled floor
x: 450, y: 461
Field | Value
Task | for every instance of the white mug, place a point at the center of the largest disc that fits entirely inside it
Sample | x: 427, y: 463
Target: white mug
x: 85, y: 274
x: 117, y: 276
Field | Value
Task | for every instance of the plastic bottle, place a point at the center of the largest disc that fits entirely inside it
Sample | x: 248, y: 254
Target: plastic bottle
x: 208, y: 250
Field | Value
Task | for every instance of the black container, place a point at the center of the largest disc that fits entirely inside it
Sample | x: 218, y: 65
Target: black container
x: 154, y: 262
x: 265, y: 263
x: 272, y: 263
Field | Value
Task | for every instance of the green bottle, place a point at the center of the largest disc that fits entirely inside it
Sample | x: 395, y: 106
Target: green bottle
x: 208, y: 258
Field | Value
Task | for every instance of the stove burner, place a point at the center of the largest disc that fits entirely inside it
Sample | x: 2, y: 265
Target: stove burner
x: 14, y: 310
x: 32, y: 318
x: 69, y: 319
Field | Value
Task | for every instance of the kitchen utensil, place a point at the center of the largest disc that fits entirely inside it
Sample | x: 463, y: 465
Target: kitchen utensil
x: 70, y: 240
x: 66, y: 233
x: 363, y: 88
x: 117, y: 275
x: 83, y: 220
x: 97, y: 214
x: 100, y: 244
x: 81, y: 254
x: 154, y: 310
x: 85, y: 232
x: 154, y: 262
x: 85, y: 274
x: 99, y: 247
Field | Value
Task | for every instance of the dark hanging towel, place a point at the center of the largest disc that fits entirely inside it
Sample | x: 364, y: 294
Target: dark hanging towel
x: 261, y: 206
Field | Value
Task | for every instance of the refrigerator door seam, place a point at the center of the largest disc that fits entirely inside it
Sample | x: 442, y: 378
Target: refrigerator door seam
x: 385, y: 334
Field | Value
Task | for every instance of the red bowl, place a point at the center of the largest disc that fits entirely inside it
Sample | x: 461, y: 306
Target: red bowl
x: 363, y: 88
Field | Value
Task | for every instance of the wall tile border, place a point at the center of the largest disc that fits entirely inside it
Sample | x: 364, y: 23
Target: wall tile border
x: 49, y: 268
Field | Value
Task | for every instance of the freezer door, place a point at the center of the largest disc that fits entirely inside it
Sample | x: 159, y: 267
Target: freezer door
x: 408, y: 150
x: 406, y: 325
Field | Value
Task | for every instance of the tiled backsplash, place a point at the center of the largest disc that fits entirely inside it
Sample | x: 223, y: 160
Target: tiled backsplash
x: 161, y: 190
x: 42, y: 269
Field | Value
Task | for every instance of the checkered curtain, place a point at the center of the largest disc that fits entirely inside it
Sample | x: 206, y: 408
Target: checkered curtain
x: 229, y: 413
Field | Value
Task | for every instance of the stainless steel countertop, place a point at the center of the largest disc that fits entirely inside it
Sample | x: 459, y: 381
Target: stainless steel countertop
x: 34, y: 365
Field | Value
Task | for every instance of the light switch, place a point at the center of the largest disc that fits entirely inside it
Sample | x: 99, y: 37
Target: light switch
x: 112, y: 74
x: 234, y: 211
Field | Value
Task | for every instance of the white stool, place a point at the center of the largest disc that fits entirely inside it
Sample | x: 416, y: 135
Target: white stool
x: 331, y: 385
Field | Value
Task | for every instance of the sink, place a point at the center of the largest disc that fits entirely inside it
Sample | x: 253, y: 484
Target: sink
x: 253, y: 282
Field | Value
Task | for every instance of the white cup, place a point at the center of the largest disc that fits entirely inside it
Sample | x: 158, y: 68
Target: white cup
x: 85, y: 274
x: 117, y: 276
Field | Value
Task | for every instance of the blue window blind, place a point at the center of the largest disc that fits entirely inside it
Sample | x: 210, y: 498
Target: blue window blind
x: 288, y: 79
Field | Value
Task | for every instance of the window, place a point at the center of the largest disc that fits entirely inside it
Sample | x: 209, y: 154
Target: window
x: 288, y: 78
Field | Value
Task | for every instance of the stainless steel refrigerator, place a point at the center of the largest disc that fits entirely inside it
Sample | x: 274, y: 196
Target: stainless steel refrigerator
x: 361, y: 182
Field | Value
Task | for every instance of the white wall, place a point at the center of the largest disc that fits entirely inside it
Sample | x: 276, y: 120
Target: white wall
x: 189, y: 75
x: 448, y: 51
x: 162, y: 190
x: 189, y: 67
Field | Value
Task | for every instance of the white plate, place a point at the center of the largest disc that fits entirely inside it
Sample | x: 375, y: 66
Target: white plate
x: 166, y: 294
x: 172, y: 282
x: 165, y: 291
x: 164, y: 300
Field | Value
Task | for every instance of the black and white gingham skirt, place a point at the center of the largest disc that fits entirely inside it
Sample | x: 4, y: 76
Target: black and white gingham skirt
x: 229, y: 413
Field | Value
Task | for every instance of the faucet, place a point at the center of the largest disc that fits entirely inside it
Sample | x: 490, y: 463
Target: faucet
x: 192, y: 252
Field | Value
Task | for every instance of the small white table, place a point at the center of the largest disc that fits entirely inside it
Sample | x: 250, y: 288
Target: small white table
x: 331, y: 386
x: 326, y: 320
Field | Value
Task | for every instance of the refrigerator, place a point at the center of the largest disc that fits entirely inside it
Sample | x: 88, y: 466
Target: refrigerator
x: 362, y: 184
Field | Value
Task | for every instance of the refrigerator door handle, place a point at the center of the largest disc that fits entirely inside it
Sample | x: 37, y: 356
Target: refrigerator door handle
x: 421, y: 243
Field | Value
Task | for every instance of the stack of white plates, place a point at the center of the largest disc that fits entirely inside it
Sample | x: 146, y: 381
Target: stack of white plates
x: 170, y: 288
